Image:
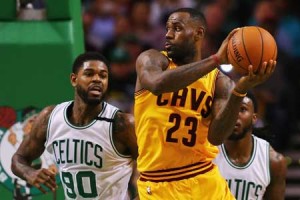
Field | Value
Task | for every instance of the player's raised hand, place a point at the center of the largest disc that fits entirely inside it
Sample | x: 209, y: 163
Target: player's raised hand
x: 253, y: 79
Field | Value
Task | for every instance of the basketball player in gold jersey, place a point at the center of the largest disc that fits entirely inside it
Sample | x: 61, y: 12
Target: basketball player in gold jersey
x: 184, y: 106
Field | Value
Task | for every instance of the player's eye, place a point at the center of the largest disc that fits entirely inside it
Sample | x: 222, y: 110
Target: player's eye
x: 88, y: 73
x: 243, y: 109
x: 177, y: 28
x: 103, y: 75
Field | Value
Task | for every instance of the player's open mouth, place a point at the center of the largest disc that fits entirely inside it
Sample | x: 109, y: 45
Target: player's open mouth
x: 96, y: 90
x: 237, y: 125
x: 168, y: 45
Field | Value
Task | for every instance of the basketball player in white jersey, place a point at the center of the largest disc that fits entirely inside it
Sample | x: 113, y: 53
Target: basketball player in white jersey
x: 252, y: 168
x: 93, y: 143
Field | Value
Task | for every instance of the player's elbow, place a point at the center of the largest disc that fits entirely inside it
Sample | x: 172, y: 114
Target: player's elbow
x: 156, y: 91
x: 157, y: 88
x: 13, y: 164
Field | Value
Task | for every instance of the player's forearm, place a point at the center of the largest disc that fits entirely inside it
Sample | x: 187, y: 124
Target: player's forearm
x: 223, y: 124
x: 184, y: 76
x: 20, y: 167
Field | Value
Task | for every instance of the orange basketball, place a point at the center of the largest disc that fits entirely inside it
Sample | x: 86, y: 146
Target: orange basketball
x: 251, y: 45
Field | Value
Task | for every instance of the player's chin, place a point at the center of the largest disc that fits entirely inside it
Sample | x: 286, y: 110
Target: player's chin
x: 234, y: 136
x: 95, y: 100
x: 169, y: 50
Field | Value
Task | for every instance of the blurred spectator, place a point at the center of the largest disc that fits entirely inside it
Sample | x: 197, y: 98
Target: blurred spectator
x: 150, y: 35
x: 123, y: 6
x: 134, y: 47
x: 160, y: 9
x: 266, y: 14
x: 130, y: 43
x: 215, y: 17
x: 122, y: 80
x: 99, y: 24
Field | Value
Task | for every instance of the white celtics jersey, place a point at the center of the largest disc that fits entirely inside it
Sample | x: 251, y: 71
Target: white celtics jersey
x: 90, y: 166
x: 247, y: 182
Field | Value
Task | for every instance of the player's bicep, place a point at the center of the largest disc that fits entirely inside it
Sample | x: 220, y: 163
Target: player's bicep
x: 149, y: 66
x: 124, y: 134
x: 224, y: 86
x: 276, y: 188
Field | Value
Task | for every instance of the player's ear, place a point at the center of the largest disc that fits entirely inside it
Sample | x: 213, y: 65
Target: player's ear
x: 73, y: 79
x: 254, y: 118
x: 200, y: 32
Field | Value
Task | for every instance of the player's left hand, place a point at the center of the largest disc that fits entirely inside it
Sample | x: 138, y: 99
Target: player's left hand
x: 253, y: 79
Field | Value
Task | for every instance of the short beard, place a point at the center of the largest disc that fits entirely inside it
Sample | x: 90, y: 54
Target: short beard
x: 237, y: 137
x: 183, y: 54
x: 84, y: 96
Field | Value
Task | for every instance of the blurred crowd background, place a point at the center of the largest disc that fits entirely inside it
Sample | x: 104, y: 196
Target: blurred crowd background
x: 122, y: 29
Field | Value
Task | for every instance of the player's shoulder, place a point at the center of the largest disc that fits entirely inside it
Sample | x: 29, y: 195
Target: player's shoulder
x: 123, y: 127
x: 46, y: 111
x: 150, y: 52
x: 153, y: 55
x: 40, y: 123
x: 277, y: 161
x: 275, y: 156
x: 123, y: 124
x: 122, y: 120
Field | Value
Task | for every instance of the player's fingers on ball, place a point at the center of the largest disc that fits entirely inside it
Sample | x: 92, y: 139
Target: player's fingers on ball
x: 270, y: 67
x: 262, y: 69
x: 233, y: 32
x: 274, y: 66
x: 250, y: 70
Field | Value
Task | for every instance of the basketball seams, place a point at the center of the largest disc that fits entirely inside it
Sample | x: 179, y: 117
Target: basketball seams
x: 245, y: 48
x: 262, y: 49
x: 251, y: 45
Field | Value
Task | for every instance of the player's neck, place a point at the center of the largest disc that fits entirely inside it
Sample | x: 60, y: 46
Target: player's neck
x: 81, y: 114
x: 239, y: 151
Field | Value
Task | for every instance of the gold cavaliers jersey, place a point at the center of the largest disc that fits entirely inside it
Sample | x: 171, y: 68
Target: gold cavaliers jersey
x: 172, y: 130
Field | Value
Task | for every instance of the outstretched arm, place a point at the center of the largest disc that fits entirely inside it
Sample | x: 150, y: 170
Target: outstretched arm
x: 227, y: 100
x: 153, y: 75
x: 31, y: 148
x: 276, y: 188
